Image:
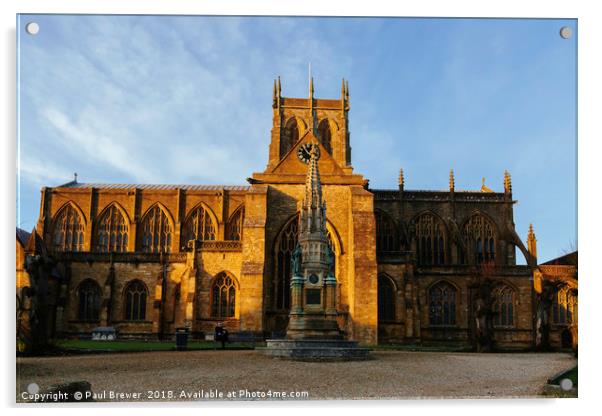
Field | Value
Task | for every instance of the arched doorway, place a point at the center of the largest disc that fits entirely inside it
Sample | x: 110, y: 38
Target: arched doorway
x: 386, y: 308
x: 566, y: 338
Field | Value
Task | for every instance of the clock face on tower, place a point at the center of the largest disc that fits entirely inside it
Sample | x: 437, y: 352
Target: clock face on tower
x: 304, y: 152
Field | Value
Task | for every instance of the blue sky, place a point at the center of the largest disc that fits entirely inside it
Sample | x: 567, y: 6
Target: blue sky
x: 166, y: 99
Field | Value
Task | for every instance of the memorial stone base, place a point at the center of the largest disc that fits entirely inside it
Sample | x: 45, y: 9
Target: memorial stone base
x: 315, y: 350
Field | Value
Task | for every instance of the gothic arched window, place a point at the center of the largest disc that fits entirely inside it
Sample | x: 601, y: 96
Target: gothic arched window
x: 135, y: 301
x: 386, y: 299
x: 564, y: 306
x: 430, y: 240
x: 234, y: 226
x: 479, y: 235
x: 442, y: 304
x: 386, y: 233
x: 289, y: 136
x: 571, y: 308
x: 285, y: 244
x: 155, y: 231
x: 89, y: 300
x: 198, y: 226
x: 503, y: 306
x: 223, y: 297
x: 68, y: 230
x: 111, y: 231
x: 325, y: 135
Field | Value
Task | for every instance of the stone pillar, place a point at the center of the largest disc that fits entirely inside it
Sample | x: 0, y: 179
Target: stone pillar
x: 189, y: 280
x: 363, y: 280
x: 105, y: 305
x: 107, y: 298
x: 416, y: 304
x: 253, y: 273
x: 296, y: 295
x: 409, y: 308
x: 158, y: 305
x: 133, y: 212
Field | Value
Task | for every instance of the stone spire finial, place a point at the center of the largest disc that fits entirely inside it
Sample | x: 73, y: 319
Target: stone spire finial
x: 532, y: 242
x: 75, y: 177
x: 313, y: 209
x: 452, y: 181
x: 507, y: 182
x: 401, y: 180
x: 313, y: 188
x: 277, y: 93
x: 347, y: 90
x: 312, y: 116
x: 343, y: 95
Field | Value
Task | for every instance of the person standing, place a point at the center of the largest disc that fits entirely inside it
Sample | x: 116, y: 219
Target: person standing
x: 221, y: 334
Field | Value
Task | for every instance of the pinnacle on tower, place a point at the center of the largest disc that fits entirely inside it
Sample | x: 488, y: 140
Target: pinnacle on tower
x: 277, y: 93
x: 532, y: 242
x: 452, y: 181
x: 507, y: 182
x: 344, y: 95
x: 401, y: 180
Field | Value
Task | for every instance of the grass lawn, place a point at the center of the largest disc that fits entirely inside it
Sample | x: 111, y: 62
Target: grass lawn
x: 135, y: 346
x: 571, y: 374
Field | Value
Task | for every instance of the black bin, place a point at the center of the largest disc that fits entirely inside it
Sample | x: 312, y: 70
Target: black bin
x: 181, y: 339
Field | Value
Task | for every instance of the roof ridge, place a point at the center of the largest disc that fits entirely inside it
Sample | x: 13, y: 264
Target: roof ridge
x: 81, y: 185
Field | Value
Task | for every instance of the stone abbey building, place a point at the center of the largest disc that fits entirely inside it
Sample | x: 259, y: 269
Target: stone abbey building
x: 409, y: 264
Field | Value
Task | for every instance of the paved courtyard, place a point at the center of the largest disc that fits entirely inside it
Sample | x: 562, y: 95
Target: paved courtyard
x: 250, y: 376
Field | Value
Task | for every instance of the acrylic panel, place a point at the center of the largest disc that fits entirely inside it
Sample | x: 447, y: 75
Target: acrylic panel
x: 295, y: 207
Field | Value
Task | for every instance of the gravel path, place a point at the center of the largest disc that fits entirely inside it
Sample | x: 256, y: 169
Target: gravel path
x: 390, y: 375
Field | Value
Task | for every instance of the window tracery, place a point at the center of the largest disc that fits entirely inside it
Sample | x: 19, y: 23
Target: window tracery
x: 89, y: 301
x: 479, y: 234
x: 503, y: 306
x: 234, y: 227
x: 286, y: 243
x: 442, y: 304
x: 111, y: 231
x: 564, y: 307
x: 135, y: 301
x: 430, y: 240
x: 155, y: 231
x: 68, y: 230
x: 386, y: 233
x: 325, y: 135
x: 223, y: 297
x: 198, y: 226
x: 289, y: 136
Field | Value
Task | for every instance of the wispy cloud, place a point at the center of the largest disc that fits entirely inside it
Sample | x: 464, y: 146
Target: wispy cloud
x: 85, y: 138
x: 171, y: 99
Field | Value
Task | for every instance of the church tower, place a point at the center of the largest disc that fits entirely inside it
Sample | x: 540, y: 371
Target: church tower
x: 328, y: 289
x: 313, y: 284
x: 323, y: 119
